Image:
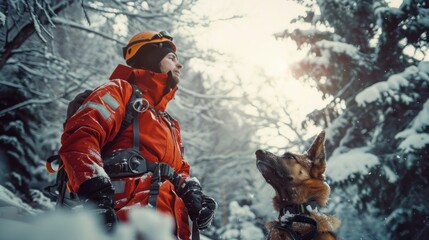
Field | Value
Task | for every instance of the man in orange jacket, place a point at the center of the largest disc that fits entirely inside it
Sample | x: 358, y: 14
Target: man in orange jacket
x: 115, y: 167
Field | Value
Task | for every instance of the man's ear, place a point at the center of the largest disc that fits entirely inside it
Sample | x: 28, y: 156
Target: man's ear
x: 316, y: 153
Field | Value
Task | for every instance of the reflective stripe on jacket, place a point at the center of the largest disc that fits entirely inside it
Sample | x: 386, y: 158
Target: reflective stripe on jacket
x: 98, y: 121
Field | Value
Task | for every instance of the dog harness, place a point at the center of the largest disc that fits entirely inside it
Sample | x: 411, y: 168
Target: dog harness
x: 296, y: 211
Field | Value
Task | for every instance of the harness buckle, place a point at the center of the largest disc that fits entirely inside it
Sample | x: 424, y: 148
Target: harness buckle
x: 141, y: 105
x: 166, y: 170
x: 136, y: 165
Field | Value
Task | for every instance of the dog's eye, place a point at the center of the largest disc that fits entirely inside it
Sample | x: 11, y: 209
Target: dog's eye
x: 288, y: 156
x: 300, y: 172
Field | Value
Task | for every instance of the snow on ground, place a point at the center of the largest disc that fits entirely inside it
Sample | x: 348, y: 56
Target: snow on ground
x: 12, y: 206
x: 144, y: 224
x: 84, y: 226
x: 18, y: 221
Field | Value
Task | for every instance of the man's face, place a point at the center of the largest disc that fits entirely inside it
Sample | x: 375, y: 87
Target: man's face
x: 171, y: 63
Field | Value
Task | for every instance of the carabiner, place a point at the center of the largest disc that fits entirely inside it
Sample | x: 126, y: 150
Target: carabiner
x: 141, y: 105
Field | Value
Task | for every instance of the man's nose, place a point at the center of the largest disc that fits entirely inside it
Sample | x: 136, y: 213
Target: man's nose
x: 179, y: 66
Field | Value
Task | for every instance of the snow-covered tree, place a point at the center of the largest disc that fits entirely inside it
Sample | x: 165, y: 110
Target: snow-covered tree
x: 240, y: 225
x: 366, y: 57
x: 74, y: 48
x: 53, y: 50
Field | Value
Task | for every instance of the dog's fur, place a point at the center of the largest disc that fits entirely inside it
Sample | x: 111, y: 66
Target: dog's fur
x: 298, y: 179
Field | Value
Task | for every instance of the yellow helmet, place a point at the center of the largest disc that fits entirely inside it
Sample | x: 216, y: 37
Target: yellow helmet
x: 143, y: 38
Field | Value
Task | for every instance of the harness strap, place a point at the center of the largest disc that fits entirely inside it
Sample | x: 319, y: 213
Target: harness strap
x: 160, y: 171
x: 154, y: 187
x: 311, y: 222
x: 297, y: 208
x: 287, y: 226
x: 136, y: 131
x: 61, y: 179
x: 195, y: 231
x: 130, y: 114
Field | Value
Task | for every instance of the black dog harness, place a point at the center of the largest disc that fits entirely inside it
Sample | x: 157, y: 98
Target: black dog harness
x: 286, y: 225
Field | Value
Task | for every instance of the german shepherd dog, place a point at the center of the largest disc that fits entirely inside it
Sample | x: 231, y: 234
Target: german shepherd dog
x: 298, y: 181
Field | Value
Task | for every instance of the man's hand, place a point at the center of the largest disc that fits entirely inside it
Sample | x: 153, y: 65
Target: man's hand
x: 191, y: 193
x: 97, y: 194
x: 207, y: 213
x: 201, y: 208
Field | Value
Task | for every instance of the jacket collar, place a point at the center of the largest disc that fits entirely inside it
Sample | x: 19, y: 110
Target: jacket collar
x: 151, y: 83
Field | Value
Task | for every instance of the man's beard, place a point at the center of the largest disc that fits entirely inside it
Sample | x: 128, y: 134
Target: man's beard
x: 171, y: 82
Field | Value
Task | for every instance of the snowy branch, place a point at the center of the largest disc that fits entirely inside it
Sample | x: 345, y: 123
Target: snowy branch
x: 25, y: 103
x: 198, y: 95
x: 224, y: 157
x: 27, y: 29
x: 127, y: 12
x: 62, y: 21
x: 22, y: 87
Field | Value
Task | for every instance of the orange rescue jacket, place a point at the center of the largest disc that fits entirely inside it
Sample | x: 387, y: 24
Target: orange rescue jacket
x: 98, y: 121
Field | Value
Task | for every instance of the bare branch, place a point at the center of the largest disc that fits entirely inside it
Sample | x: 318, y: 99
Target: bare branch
x: 25, y: 103
x: 26, y: 31
x: 62, y: 21
x: 22, y: 87
x: 198, y: 95
x: 127, y: 13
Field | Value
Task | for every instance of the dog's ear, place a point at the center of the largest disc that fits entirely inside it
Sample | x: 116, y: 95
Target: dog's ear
x: 316, y: 153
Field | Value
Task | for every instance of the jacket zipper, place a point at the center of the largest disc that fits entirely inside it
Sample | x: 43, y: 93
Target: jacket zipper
x: 169, y: 125
x: 160, y: 116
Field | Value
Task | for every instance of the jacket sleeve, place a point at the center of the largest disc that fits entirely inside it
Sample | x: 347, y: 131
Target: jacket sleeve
x: 96, y: 123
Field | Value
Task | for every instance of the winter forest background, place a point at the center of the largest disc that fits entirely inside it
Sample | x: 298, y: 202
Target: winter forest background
x: 367, y: 60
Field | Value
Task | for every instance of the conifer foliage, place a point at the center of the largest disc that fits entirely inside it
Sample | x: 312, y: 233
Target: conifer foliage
x: 368, y: 59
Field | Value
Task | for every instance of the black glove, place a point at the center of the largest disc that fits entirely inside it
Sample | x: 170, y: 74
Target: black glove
x: 207, y: 213
x: 98, y: 192
x: 200, y: 207
x: 191, y: 194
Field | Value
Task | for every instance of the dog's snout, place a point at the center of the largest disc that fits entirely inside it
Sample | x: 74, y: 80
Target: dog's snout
x: 260, y: 153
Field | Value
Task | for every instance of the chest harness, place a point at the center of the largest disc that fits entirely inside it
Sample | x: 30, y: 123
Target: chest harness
x: 122, y: 163
x: 130, y: 162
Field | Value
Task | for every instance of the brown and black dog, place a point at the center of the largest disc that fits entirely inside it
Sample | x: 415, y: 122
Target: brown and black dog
x: 298, y: 180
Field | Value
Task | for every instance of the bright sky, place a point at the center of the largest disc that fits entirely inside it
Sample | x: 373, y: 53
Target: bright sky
x: 251, y: 46
x: 248, y: 39
x: 250, y: 43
